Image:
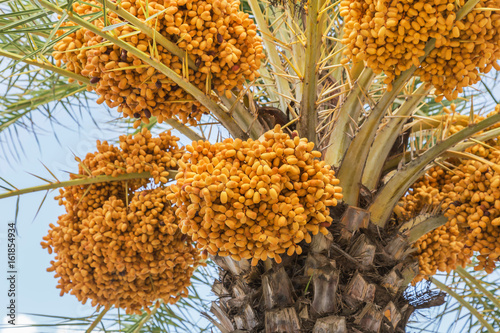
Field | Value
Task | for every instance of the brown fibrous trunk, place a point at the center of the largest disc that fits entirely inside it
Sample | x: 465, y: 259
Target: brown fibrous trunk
x: 352, y: 280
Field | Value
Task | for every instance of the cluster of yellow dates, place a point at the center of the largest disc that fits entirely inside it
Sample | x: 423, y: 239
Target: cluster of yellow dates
x: 391, y: 37
x: 254, y: 199
x: 221, y: 41
x: 119, y: 242
x: 469, y: 196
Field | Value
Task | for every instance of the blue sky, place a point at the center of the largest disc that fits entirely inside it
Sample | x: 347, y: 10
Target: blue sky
x: 37, y: 291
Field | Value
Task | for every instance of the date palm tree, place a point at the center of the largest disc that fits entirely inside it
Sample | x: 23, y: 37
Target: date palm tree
x: 380, y: 141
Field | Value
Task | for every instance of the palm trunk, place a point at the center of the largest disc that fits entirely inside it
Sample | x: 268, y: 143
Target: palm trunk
x: 352, y: 280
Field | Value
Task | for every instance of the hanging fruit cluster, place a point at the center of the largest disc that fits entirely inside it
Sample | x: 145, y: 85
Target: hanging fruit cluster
x: 221, y: 40
x: 119, y: 242
x: 392, y: 36
x: 254, y: 199
x: 442, y: 248
x: 423, y: 194
x: 138, y: 153
x: 468, y: 193
x: 474, y: 200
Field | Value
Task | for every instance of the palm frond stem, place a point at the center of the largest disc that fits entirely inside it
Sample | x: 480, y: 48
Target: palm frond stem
x: 184, y: 129
x: 488, y: 135
x: 308, y: 115
x: 46, y: 66
x: 243, y: 116
x: 387, y: 136
x: 145, y: 320
x: 81, y: 181
x: 98, y: 319
x: 466, y: 275
x: 349, y: 111
x: 460, y: 299
x: 387, y: 197
x: 353, y: 163
x: 422, y: 225
x: 272, y: 52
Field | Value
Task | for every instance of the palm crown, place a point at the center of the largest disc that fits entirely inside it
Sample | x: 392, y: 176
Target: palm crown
x: 347, y: 171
